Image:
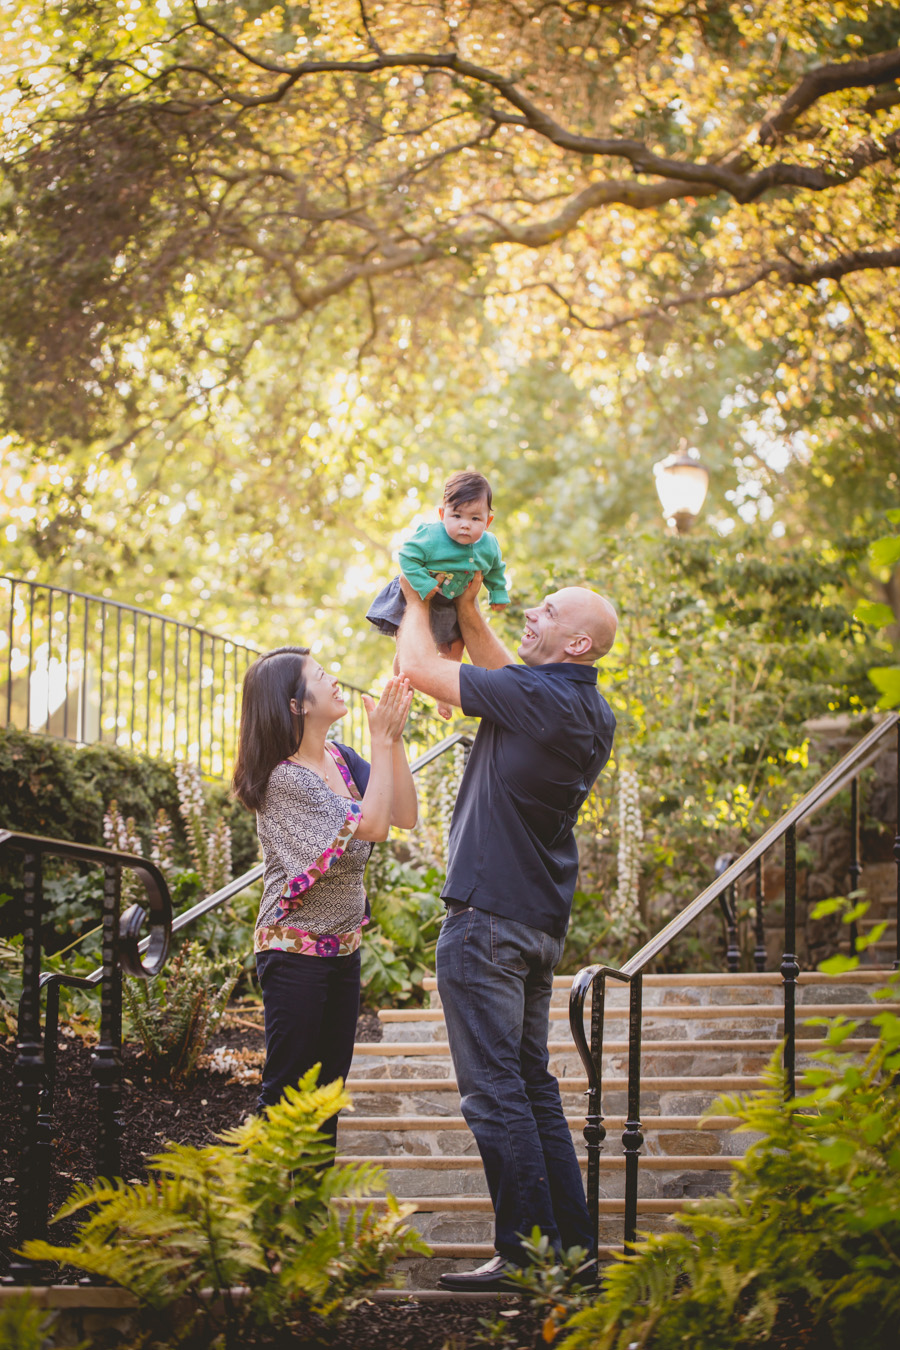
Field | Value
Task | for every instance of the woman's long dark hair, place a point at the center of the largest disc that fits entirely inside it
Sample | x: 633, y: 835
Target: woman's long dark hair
x: 269, y: 732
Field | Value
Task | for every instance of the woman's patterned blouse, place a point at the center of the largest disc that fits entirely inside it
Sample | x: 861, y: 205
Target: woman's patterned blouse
x: 313, y: 864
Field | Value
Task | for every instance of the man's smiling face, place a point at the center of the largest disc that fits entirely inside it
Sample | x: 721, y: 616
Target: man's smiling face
x: 546, y: 632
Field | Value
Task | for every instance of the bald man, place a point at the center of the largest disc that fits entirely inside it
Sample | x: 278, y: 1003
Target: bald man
x: 545, y: 734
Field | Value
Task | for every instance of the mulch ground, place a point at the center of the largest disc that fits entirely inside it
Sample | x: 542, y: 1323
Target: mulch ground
x: 152, y: 1115
x: 196, y: 1114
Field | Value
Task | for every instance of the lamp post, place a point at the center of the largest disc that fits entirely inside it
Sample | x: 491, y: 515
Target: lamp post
x: 681, y: 483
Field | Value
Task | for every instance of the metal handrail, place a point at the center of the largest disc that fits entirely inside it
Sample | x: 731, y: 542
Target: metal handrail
x: 827, y: 787
x: 36, y: 1053
x: 593, y: 978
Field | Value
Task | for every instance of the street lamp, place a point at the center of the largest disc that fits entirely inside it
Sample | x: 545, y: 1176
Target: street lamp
x: 681, y: 482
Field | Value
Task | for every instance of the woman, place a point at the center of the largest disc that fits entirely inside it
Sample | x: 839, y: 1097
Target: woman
x: 319, y: 808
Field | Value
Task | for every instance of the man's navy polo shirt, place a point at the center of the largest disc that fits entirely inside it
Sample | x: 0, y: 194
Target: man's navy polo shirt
x: 546, y: 732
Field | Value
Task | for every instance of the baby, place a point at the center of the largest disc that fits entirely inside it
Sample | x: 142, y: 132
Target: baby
x: 441, y: 559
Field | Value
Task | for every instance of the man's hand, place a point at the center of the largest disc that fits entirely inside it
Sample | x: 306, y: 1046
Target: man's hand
x: 484, y: 647
x: 411, y: 595
x: 470, y: 594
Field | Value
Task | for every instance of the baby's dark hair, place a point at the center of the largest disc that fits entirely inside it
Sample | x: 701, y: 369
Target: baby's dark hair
x: 464, y: 487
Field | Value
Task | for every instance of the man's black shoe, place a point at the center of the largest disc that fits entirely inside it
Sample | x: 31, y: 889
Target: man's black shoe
x: 587, y: 1275
x: 487, y: 1279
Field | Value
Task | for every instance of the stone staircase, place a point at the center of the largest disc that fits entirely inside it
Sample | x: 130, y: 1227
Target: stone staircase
x: 879, y: 881
x: 703, y: 1035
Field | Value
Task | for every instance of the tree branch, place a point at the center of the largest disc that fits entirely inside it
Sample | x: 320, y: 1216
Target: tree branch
x: 786, y: 272
x: 830, y: 79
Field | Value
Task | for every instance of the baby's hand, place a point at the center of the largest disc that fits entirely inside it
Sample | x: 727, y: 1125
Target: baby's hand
x: 501, y: 604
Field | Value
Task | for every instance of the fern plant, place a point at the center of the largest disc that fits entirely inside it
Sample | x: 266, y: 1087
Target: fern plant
x: 805, y: 1249
x: 174, y: 1015
x: 24, y: 1325
x: 256, y: 1230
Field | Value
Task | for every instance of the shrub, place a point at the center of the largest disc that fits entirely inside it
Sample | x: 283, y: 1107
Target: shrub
x: 804, y: 1249
x: 398, y: 949
x: 175, y: 1014
x: 259, y: 1211
x: 62, y: 791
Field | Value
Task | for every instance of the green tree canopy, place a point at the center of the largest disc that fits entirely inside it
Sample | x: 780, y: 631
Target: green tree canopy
x: 184, y: 177
x: 271, y: 271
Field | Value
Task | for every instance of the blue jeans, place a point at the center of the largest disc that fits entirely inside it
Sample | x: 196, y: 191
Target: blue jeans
x: 311, y: 1005
x: 495, y: 978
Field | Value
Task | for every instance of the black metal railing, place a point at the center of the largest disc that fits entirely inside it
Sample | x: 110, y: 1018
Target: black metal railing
x: 122, y: 950
x: 36, y: 1051
x: 594, y: 978
x: 85, y: 669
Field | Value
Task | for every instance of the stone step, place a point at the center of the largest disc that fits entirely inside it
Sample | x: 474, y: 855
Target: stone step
x: 469, y: 1251
x: 803, y: 1045
x: 423, y: 1273
x: 673, y: 1011
x: 723, y: 1083
x: 707, y: 980
x: 710, y: 1124
x: 716, y: 989
x: 702, y: 1036
x: 471, y: 1162
x: 481, y: 1204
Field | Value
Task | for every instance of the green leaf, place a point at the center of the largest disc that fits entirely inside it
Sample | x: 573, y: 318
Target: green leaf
x: 833, y: 905
x: 871, y: 611
x: 893, y: 515
x: 887, y: 680
x: 856, y: 912
x: 885, y: 552
x: 839, y: 965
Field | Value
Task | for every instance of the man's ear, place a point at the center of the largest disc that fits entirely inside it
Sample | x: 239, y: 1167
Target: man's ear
x: 578, y: 645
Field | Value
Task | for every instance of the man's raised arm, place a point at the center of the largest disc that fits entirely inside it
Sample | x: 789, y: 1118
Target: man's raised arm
x: 484, y: 647
x: 417, y: 655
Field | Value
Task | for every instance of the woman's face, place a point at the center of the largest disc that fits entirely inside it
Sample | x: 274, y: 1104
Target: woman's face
x: 323, y: 701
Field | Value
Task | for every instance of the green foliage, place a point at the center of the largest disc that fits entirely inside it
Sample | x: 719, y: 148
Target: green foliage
x: 63, y: 792
x: 25, y: 1326
x: 724, y: 650
x: 10, y: 981
x: 398, y: 948
x: 556, y: 1286
x: 184, y: 428
x: 50, y: 788
x: 884, y: 554
x: 174, y: 1015
x: 804, y: 1249
x: 260, y: 1211
x: 851, y: 908
x: 589, y: 936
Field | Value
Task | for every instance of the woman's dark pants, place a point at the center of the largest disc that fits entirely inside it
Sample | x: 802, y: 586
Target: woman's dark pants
x: 311, y: 1005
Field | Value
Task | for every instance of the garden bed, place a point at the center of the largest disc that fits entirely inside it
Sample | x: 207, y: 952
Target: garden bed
x: 195, y: 1114
x: 152, y: 1115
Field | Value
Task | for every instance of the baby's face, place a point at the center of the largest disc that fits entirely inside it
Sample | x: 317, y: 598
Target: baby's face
x: 466, y: 522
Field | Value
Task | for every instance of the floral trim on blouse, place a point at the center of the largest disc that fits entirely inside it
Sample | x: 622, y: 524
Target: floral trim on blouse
x: 290, y: 898
x: 282, y: 937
